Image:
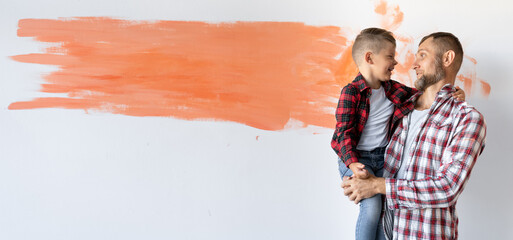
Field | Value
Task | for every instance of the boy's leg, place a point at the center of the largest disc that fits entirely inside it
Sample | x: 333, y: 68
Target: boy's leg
x: 370, y: 208
x: 343, y: 169
x: 380, y: 231
x: 368, y: 225
x: 368, y: 219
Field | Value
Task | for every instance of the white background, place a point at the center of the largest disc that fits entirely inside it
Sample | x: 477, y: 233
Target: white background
x: 66, y: 174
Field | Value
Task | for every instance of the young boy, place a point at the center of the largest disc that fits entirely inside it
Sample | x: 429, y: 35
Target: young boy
x: 368, y: 110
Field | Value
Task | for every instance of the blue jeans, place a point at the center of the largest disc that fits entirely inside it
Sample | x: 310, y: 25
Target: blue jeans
x: 369, y: 226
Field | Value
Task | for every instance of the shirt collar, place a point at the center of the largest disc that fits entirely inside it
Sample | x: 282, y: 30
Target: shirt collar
x: 445, y: 92
x: 446, y: 89
x: 360, y: 83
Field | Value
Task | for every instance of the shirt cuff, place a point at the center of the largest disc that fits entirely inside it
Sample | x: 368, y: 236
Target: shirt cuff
x: 351, y: 159
x: 391, y: 193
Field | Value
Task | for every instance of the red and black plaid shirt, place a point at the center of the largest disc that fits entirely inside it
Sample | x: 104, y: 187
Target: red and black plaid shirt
x: 353, y: 111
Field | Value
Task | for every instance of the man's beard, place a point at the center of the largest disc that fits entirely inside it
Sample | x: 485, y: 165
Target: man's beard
x: 427, y: 80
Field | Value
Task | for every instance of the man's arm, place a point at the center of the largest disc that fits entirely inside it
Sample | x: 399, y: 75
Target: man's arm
x: 344, y: 139
x: 458, y: 160
x: 440, y: 192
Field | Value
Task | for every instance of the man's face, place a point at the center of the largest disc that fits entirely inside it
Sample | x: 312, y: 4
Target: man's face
x: 428, y: 65
x: 384, y: 62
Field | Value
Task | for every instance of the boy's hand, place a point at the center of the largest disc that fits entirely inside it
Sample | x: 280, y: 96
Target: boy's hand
x: 359, y: 170
x: 459, y: 94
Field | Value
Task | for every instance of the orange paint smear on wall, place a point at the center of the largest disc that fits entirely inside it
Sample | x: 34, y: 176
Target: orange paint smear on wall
x: 261, y: 74
x: 485, y: 87
x: 391, y: 17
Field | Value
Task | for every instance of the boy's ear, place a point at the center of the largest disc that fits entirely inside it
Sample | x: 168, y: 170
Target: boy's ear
x: 368, y: 57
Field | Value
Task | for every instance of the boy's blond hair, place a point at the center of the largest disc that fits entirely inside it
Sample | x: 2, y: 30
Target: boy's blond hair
x: 370, y: 39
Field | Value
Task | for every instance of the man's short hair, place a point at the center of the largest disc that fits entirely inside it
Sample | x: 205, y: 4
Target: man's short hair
x: 370, y: 39
x: 444, y: 42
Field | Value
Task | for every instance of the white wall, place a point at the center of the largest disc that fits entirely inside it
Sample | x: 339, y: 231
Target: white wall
x: 66, y: 174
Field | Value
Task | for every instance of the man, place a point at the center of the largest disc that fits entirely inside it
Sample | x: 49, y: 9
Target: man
x: 431, y: 154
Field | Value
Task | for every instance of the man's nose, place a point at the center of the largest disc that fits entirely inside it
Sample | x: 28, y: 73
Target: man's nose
x: 415, y: 65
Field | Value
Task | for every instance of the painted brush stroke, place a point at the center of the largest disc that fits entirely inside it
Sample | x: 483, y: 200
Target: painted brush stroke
x: 391, y: 17
x: 257, y: 73
x: 261, y: 74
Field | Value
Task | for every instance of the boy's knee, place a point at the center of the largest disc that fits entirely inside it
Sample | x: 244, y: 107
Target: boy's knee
x: 373, y: 202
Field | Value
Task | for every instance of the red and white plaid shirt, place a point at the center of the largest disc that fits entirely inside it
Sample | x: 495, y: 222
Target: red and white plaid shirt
x: 442, y: 157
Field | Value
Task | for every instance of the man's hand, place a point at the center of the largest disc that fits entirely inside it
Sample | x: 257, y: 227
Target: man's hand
x: 359, y: 170
x: 357, y: 189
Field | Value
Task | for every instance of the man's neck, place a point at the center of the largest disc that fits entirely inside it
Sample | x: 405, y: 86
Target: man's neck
x: 429, y: 95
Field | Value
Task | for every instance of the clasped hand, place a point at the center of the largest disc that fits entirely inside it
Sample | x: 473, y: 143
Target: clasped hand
x: 359, y: 186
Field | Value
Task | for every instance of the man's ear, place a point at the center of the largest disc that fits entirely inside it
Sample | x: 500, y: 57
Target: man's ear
x: 368, y: 57
x: 448, y: 58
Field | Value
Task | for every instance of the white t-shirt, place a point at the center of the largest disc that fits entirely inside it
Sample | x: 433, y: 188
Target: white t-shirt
x: 415, y: 120
x: 374, y: 133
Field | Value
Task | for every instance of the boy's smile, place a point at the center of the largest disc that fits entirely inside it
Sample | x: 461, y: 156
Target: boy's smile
x: 384, y: 63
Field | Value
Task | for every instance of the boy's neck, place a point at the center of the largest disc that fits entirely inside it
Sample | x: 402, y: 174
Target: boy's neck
x: 371, y: 81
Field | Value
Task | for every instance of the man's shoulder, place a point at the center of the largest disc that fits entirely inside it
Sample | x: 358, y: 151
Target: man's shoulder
x: 462, y: 111
x: 465, y: 109
x: 465, y: 121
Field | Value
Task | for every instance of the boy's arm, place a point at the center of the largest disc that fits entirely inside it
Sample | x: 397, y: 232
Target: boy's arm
x: 344, y: 139
x: 399, y: 93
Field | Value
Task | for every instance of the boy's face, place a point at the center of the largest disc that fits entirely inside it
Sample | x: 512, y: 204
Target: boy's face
x: 384, y: 62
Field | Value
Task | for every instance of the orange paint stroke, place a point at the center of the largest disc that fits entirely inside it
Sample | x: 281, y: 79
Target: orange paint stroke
x: 268, y: 75
x: 391, y: 15
x: 262, y: 74
x: 485, y: 87
x: 473, y: 60
x: 381, y: 8
x: 467, y: 82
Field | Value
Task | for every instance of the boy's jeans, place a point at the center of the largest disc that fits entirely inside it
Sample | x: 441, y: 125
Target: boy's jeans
x: 369, y: 226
